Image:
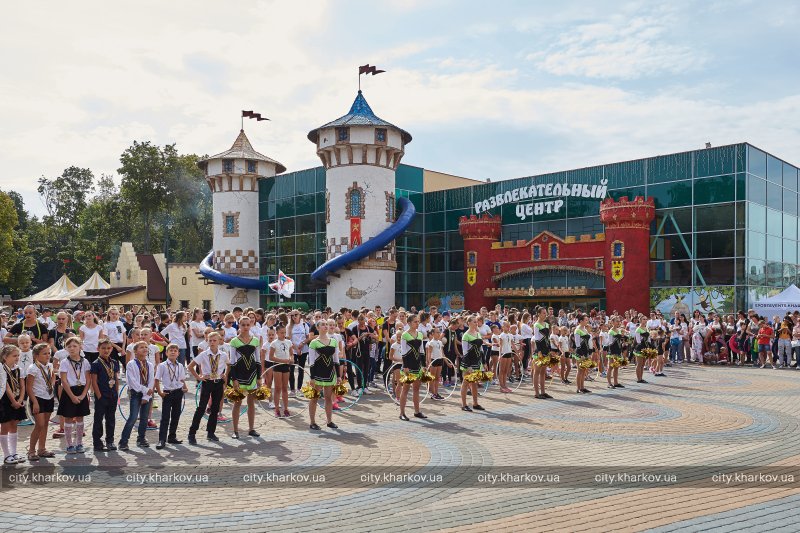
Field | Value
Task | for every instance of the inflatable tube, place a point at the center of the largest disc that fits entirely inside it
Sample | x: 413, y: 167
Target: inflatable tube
x: 374, y: 244
x: 207, y: 270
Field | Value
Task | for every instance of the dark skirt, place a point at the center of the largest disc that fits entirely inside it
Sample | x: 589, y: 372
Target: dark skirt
x: 68, y: 409
x: 9, y: 413
x: 282, y: 368
x: 45, y: 406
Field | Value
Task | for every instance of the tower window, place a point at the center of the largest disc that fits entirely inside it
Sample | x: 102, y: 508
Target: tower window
x: 251, y: 167
x: 354, y: 202
x: 184, y: 281
x: 380, y: 135
x: 617, y: 249
x: 472, y: 259
x: 554, y: 251
x: 227, y: 165
x: 230, y: 227
x: 536, y: 252
x: 342, y: 135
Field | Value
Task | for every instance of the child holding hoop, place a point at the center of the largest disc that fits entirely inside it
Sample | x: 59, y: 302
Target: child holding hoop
x: 411, y: 348
x: 281, y: 359
x: 323, y: 358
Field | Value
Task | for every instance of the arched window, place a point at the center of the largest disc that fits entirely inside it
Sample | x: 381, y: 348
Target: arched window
x: 554, y: 251
x: 354, y: 202
x: 536, y: 252
x: 617, y: 249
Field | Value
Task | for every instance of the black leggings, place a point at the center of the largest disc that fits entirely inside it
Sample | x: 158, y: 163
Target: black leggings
x: 362, y: 362
x: 447, y: 371
x: 299, y: 360
x: 526, y: 353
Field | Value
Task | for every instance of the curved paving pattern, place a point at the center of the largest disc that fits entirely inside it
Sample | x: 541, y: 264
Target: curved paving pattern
x: 685, y: 422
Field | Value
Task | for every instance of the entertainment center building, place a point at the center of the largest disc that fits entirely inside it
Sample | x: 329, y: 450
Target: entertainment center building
x: 724, y: 234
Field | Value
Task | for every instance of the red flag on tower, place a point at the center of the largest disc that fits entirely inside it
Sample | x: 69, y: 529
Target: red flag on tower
x: 251, y: 114
x: 369, y: 69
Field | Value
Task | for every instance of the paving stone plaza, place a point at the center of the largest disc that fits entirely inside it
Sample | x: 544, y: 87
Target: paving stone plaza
x: 702, y: 449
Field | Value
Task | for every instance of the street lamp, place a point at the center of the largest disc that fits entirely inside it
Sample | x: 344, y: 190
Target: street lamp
x: 167, y: 228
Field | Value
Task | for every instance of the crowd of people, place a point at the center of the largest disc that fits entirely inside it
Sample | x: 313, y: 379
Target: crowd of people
x: 53, y: 363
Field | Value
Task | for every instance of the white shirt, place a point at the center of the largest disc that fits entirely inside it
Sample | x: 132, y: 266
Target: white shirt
x: 563, y: 343
x: 203, y: 360
x: 74, y: 372
x: 25, y: 360
x: 283, y: 350
x: 39, y: 383
x: 114, y: 331
x: 484, y: 330
x: 229, y: 333
x: 176, y: 334
x: 196, y: 333
x: 134, y: 377
x: 495, y: 342
x: 394, y: 350
x: 506, y: 343
x: 152, y: 350
x: 554, y: 338
x: 299, y: 332
x: 91, y: 336
x: 437, y: 349
x: 170, y: 375
x: 526, y: 331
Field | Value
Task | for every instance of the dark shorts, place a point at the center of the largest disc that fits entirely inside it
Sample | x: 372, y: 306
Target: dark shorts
x: 508, y: 355
x: 45, y: 406
x: 437, y: 363
x: 268, y: 365
x: 282, y: 368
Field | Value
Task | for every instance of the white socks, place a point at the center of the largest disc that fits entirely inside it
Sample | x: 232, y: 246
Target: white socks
x: 4, y: 444
x: 68, y: 429
x: 12, y: 443
x: 79, y: 434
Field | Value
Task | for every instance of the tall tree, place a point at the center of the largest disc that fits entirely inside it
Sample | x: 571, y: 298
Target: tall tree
x: 16, y: 266
x: 192, y: 230
x: 101, y: 227
x: 149, y: 176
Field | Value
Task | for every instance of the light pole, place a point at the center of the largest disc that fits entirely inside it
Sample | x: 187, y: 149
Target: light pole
x: 167, y: 228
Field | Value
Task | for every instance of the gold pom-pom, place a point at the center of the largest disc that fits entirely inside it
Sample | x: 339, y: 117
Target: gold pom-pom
x: 587, y: 363
x: 310, y: 392
x: 262, y: 393
x: 613, y: 362
x: 555, y: 358
x: 473, y: 376
x: 486, y: 376
x: 340, y: 389
x: 234, y: 395
x: 426, y: 377
x: 623, y: 361
x: 408, y: 377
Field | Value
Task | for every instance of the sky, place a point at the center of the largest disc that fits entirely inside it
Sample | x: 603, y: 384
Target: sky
x: 493, y: 90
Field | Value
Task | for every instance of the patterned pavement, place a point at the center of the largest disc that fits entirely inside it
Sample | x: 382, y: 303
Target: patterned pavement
x: 648, y: 457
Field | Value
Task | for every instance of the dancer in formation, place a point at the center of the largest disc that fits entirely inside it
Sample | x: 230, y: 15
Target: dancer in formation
x: 323, y: 356
x: 245, y: 374
x: 411, y: 348
x: 472, y: 348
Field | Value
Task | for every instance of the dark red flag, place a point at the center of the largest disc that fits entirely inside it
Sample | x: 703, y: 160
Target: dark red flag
x: 369, y: 69
x: 250, y: 114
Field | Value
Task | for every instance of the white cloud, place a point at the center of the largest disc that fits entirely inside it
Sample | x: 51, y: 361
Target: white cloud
x: 620, y: 47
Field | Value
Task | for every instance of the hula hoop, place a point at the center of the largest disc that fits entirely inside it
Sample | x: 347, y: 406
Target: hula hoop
x: 242, y: 411
x: 393, y: 394
x: 125, y: 417
x: 455, y: 375
x: 518, y: 383
x: 264, y: 404
x: 363, y: 380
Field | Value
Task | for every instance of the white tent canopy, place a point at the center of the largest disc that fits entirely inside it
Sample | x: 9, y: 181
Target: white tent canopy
x: 787, y: 301
x: 58, y: 291
x: 94, y: 282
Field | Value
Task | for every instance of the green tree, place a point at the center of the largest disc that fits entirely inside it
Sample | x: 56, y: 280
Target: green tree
x: 19, y: 281
x: 8, y: 221
x: 192, y: 231
x: 149, y: 176
x: 101, y: 227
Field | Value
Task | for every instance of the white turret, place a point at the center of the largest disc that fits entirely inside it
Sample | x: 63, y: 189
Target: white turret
x: 360, y: 153
x: 233, y: 177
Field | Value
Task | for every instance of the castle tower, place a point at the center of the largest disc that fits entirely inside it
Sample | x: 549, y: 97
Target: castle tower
x: 627, y: 260
x: 233, y: 178
x: 360, y: 153
x: 479, y: 232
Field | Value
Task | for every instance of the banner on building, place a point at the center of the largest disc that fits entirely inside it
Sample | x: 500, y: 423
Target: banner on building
x: 355, y: 232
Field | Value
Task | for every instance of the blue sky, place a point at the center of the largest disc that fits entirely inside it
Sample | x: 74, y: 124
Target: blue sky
x: 488, y: 89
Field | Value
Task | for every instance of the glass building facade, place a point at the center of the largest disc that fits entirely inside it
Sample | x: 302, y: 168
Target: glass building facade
x: 725, y: 233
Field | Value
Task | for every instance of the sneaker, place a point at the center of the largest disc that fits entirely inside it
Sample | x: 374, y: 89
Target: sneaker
x: 365, y: 390
x: 286, y: 413
x: 332, y: 425
x: 123, y: 446
x: 253, y: 433
x: 467, y: 408
x: 71, y: 450
x: 111, y: 447
x: 222, y: 418
x: 271, y: 405
x: 278, y: 413
x: 19, y: 459
x: 151, y: 425
x: 79, y: 448
x: 354, y: 392
x: 235, y: 435
x: 773, y: 367
x: 57, y: 434
x: 603, y: 373
x: 143, y: 444
x: 762, y: 366
x: 336, y: 407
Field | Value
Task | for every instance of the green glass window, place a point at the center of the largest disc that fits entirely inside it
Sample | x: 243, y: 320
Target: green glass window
x: 458, y: 198
x: 713, y: 190
x: 434, y: 201
x: 434, y: 283
x: 451, y: 218
x: 578, y: 207
x: 286, y: 263
x: 579, y: 226
x: 306, y: 263
x: 305, y: 205
x: 418, y: 199
x: 741, y: 218
x: 626, y: 174
x: 676, y: 194
x: 774, y: 196
x: 285, y: 227
x: 774, y: 170
x: 672, y: 167
x: 319, y: 176
x: 756, y: 162
x: 455, y: 241
x: 266, y: 189
x: 670, y: 247
x: 434, y: 242
x: 757, y: 190
x: 774, y: 248
x: 714, y: 217
x: 715, y: 161
x: 774, y: 273
x: 755, y: 271
x: 285, y: 208
x: 434, y: 263
x: 677, y: 221
x: 284, y: 186
x: 631, y: 192
x: 267, y: 246
x: 789, y: 177
x: 715, y: 244
x: 789, y: 202
x: 455, y: 261
x: 305, y: 244
x: 671, y: 273
x: 409, y: 178
x: 305, y: 182
x: 789, y: 226
x: 717, y: 272
x: 756, y: 218
x: 435, y: 221
x: 455, y: 281
x: 790, y: 250
x: 741, y: 186
x: 774, y: 222
x: 756, y: 245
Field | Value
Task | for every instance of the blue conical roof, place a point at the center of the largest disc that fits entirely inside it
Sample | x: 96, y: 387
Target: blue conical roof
x: 360, y: 114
